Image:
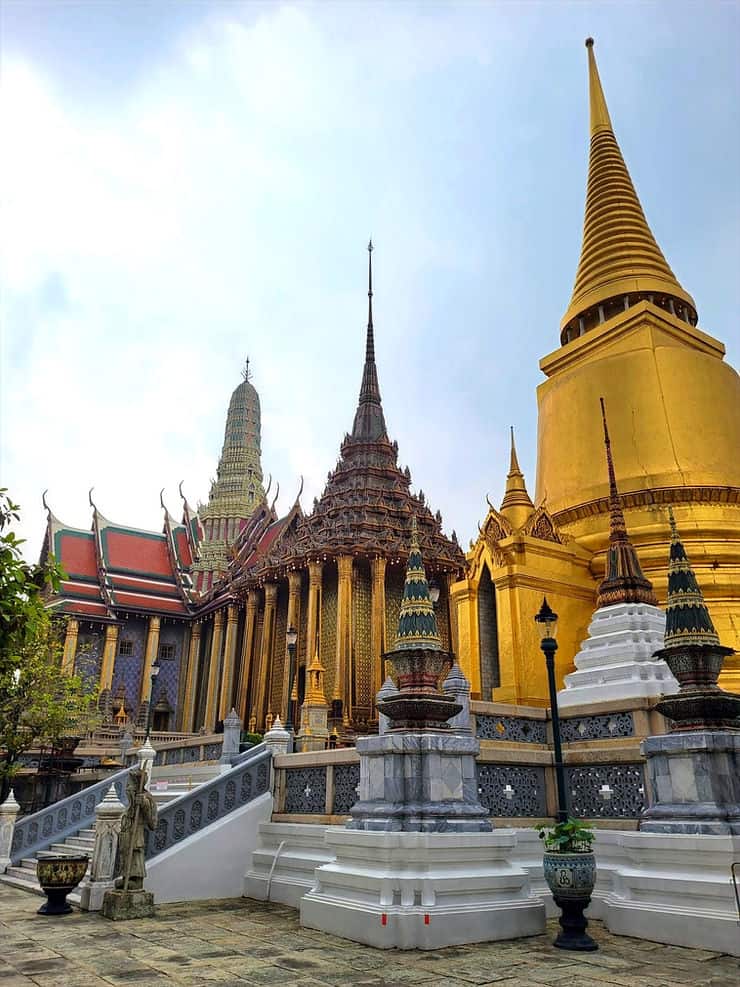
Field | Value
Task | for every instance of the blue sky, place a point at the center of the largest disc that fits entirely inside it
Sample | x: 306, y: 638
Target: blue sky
x: 188, y: 183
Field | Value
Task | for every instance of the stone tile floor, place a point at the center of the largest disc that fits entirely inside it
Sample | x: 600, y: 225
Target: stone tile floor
x: 247, y: 942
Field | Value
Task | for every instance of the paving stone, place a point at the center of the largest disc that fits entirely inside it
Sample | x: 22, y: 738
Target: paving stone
x: 246, y: 942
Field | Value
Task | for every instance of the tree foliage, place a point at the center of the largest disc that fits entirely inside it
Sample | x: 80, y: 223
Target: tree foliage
x: 39, y: 704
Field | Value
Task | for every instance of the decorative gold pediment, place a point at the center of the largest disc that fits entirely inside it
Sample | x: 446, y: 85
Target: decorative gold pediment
x: 542, y: 526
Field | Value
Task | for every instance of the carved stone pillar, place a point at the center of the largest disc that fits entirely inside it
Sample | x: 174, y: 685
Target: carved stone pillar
x: 377, y: 624
x: 294, y: 616
x: 70, y: 646
x: 344, y: 633
x: 227, y: 678
x: 250, y: 629
x: 188, y: 711
x: 102, y: 867
x: 152, y: 645
x: 214, y: 663
x: 109, y: 657
x: 313, y: 643
x: 267, y: 650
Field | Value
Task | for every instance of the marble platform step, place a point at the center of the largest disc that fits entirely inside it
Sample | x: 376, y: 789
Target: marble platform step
x: 284, y: 863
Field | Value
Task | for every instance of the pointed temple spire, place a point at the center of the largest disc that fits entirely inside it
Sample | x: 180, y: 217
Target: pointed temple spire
x: 517, y: 505
x: 687, y: 617
x: 621, y: 262
x: 417, y: 621
x: 369, y: 424
x: 623, y: 581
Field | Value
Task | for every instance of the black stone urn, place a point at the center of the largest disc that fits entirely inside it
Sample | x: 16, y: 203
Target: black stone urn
x: 58, y: 874
x: 571, y: 877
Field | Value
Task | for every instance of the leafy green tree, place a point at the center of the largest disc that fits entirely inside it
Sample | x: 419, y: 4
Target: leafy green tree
x: 39, y: 704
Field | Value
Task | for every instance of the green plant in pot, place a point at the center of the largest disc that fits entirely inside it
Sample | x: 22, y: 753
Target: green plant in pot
x: 569, y: 866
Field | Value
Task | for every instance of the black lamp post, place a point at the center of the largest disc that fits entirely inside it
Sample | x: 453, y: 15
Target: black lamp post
x: 291, y: 637
x: 546, y: 621
x: 154, y: 674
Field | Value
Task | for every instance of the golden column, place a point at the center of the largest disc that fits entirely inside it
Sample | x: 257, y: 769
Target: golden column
x: 268, y: 642
x: 109, y: 657
x: 250, y: 627
x: 70, y: 646
x: 214, y: 662
x: 192, y: 679
x: 344, y: 632
x: 314, y: 607
x: 294, y: 616
x: 227, y: 678
x: 452, y: 612
x: 152, y: 645
x: 377, y: 624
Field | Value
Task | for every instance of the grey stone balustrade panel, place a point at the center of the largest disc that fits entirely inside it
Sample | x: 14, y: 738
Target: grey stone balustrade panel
x: 575, y: 728
x: 521, y: 729
x: 626, y: 797
x: 194, y: 811
x: 527, y: 796
x: 58, y: 821
x: 346, y: 780
x: 305, y: 790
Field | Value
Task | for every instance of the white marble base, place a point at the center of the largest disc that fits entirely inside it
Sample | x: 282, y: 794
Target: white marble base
x: 675, y: 889
x: 615, y: 660
x: 421, y: 890
x: 91, y: 894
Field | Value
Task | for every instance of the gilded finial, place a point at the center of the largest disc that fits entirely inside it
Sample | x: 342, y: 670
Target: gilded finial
x: 514, y: 462
x: 246, y: 372
x: 618, y: 528
x: 624, y: 581
x: 517, y: 506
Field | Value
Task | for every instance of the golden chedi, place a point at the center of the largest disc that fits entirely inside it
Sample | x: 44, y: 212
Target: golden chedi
x: 631, y: 336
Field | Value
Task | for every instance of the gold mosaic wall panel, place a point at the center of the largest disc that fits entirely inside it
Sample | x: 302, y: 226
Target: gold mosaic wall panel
x: 328, y: 632
x: 361, y: 637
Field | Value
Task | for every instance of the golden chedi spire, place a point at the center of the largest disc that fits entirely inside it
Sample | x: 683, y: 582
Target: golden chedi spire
x: 621, y: 262
x: 624, y: 581
x: 517, y: 506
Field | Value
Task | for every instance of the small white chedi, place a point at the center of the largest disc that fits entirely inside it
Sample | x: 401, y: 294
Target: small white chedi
x: 616, y: 660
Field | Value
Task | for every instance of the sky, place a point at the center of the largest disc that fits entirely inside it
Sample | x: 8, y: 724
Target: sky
x: 189, y: 183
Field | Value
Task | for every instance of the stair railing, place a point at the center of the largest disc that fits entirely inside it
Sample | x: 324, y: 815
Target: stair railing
x: 246, y: 779
x: 56, y: 822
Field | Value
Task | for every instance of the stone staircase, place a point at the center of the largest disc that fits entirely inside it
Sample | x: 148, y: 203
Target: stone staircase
x: 167, y: 783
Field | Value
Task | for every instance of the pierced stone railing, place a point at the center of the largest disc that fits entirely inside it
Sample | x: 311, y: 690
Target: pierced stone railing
x: 62, y: 819
x: 194, y: 751
x: 245, y: 780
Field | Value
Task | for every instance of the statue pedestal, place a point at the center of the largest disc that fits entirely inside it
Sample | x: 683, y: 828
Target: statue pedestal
x: 616, y: 659
x: 694, y: 780
x: 421, y: 890
x: 122, y: 905
x: 419, y: 782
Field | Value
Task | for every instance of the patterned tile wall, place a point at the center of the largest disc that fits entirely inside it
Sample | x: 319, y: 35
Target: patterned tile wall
x: 127, y: 669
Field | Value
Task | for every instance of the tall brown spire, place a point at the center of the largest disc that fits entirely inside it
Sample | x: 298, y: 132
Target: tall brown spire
x: 517, y: 505
x: 624, y: 581
x: 621, y: 261
x: 369, y: 424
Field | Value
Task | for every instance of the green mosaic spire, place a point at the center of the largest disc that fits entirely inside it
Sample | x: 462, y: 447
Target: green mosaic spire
x: 417, y: 622
x: 687, y: 617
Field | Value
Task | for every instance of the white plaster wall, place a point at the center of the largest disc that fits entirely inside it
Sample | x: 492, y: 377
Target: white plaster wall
x: 213, y: 862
